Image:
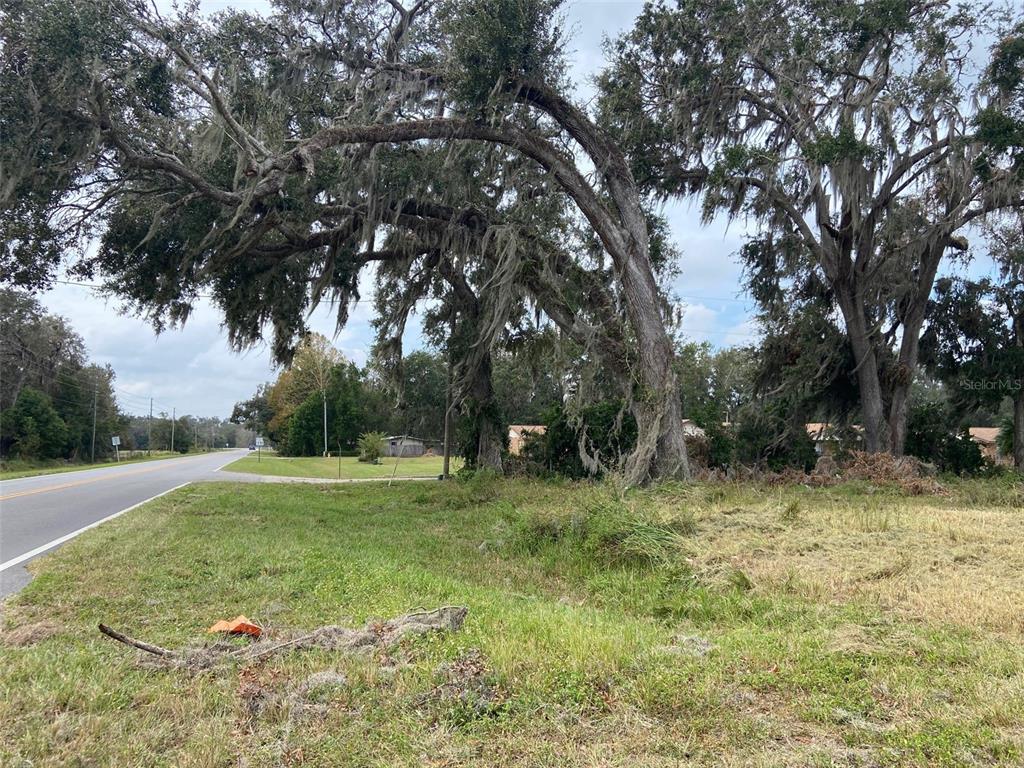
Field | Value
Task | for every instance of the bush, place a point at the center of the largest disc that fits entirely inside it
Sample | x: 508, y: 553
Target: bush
x: 961, y: 455
x: 610, y: 431
x: 931, y: 437
x: 767, y: 439
x: 928, y: 426
x: 721, y: 448
x: 370, y: 447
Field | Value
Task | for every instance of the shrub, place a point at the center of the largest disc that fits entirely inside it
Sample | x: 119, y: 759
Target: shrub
x: 767, y: 439
x: 370, y: 447
x: 721, y: 445
x: 931, y: 437
x: 610, y: 432
x: 609, y: 530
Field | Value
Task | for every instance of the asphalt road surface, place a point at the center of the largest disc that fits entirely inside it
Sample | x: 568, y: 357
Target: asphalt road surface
x: 42, y: 512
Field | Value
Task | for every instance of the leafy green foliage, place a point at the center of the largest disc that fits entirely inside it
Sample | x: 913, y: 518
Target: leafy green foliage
x: 1005, y: 439
x: 933, y: 435
x: 768, y: 436
x: 607, y: 431
x: 42, y: 351
x: 498, y: 41
x: 371, y: 446
x: 32, y: 428
x: 975, y: 338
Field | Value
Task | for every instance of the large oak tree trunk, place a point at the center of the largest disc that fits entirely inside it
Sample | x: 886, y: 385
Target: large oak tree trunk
x: 661, y: 448
x: 483, y: 410
x: 872, y: 402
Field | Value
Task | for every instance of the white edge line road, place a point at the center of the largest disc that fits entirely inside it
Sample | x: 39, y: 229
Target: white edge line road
x: 218, y: 469
x: 56, y: 542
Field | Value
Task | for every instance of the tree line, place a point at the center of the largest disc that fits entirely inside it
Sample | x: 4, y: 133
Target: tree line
x: 272, y: 161
x: 321, y: 388
x: 721, y: 391
x: 57, y: 405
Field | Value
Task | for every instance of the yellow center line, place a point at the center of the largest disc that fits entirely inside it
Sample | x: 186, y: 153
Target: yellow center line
x: 87, y: 481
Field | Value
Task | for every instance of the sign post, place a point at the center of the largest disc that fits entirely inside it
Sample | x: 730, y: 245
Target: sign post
x: 259, y: 446
x: 115, y: 441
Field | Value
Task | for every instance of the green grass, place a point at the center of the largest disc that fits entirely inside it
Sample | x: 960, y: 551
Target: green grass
x: 350, y: 467
x: 15, y: 469
x: 583, y: 610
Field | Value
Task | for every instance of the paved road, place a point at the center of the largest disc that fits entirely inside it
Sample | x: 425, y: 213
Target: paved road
x: 42, y: 512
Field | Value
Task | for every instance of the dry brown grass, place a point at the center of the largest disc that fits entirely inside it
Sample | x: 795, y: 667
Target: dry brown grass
x: 928, y: 559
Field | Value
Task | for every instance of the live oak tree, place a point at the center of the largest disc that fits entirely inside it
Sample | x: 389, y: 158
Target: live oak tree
x: 855, y: 129
x: 244, y: 158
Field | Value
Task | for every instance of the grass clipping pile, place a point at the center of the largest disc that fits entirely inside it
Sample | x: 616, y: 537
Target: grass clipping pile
x: 375, y: 635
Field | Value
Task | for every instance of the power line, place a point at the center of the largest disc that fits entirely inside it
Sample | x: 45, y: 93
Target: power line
x: 63, y: 378
x: 42, y: 366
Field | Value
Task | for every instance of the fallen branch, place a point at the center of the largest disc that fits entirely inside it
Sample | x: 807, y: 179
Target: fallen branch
x: 373, y: 634
x: 156, y: 650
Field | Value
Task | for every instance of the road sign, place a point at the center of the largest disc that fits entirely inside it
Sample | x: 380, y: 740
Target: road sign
x: 259, y: 442
x: 115, y: 440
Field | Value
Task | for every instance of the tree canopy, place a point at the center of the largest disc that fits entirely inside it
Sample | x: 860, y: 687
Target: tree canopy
x: 268, y: 160
x: 853, y: 133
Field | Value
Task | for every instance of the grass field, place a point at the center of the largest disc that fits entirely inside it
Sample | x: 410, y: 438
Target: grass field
x: 15, y: 469
x: 350, y: 467
x: 695, y: 625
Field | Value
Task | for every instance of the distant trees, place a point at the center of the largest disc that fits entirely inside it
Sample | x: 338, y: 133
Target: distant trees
x: 40, y: 352
x: 255, y: 413
x: 32, y: 428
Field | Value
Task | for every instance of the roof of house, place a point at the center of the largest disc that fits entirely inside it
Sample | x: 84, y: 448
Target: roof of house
x: 823, y: 430
x: 690, y: 429
x: 818, y: 430
x: 985, y: 435
x: 403, y: 437
x: 521, y: 430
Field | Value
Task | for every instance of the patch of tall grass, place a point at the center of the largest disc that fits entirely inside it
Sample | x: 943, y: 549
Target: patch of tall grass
x: 608, y: 528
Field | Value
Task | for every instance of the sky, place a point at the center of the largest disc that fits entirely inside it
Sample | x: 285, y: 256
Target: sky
x: 193, y: 370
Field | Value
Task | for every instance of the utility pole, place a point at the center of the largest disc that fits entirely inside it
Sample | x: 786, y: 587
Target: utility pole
x: 95, y: 395
x: 173, y: 414
x: 149, y: 430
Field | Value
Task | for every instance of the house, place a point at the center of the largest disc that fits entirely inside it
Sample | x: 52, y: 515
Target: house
x: 517, y: 435
x: 405, y: 446
x: 829, y: 438
x: 987, y: 440
x: 692, y: 430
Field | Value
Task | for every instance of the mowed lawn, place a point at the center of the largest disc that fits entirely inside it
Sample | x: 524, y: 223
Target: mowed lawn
x: 709, y: 625
x: 345, y: 468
